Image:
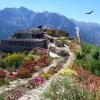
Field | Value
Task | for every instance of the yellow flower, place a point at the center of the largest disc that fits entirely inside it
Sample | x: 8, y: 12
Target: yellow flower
x: 67, y: 71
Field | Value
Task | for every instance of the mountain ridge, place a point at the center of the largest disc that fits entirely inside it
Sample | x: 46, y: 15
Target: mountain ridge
x: 17, y: 19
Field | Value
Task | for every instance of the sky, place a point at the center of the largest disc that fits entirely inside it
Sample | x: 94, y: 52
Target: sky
x: 75, y: 9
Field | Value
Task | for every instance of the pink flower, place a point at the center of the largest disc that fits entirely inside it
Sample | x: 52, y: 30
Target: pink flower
x: 38, y: 80
x: 2, y: 73
x: 92, y: 86
x: 1, y: 79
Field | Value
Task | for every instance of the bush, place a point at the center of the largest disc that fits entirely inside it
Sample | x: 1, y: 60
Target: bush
x: 63, y: 39
x: 79, y: 55
x: 95, y: 67
x: 2, y: 95
x: 13, y: 61
x: 67, y: 72
x: 96, y: 55
x: 45, y: 75
x: 4, y: 82
x: 24, y: 73
x: 83, y: 63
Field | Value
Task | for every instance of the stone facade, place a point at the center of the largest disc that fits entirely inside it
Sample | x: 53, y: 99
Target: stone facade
x: 17, y: 45
x: 25, y: 35
x: 24, y: 41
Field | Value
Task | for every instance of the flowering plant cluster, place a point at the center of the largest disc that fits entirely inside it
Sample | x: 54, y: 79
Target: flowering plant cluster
x: 45, y: 75
x: 2, y: 77
x: 86, y: 79
x: 39, y: 51
x: 13, y: 75
x: 38, y: 80
x: 20, y: 90
x: 2, y: 74
x: 24, y: 73
x: 67, y: 71
x: 15, y: 93
x: 29, y: 67
x: 43, y: 56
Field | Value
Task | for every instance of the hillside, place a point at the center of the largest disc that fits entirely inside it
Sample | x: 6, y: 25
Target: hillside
x: 39, y: 73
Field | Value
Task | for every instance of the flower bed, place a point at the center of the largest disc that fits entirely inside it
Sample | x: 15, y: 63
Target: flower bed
x: 28, y: 68
x: 37, y: 59
x: 85, y: 78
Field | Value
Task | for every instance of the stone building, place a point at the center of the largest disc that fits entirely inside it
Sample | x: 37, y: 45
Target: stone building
x: 24, y: 41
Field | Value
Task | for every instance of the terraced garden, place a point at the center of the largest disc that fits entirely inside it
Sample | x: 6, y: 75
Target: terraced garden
x: 51, y: 74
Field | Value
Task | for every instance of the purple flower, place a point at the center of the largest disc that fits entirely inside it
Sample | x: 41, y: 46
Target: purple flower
x: 38, y: 80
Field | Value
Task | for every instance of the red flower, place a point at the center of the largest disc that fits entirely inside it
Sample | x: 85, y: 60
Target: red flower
x: 2, y: 73
x: 13, y: 75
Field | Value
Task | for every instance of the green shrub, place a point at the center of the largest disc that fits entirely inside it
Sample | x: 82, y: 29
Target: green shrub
x: 96, y: 55
x: 79, y: 55
x: 2, y: 96
x: 4, y: 82
x: 95, y: 67
x: 83, y: 63
x: 13, y: 61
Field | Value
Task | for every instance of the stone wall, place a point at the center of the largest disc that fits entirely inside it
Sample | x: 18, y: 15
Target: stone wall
x: 19, y: 46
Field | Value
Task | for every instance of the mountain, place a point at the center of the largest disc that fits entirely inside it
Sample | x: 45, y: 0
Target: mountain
x: 17, y: 19
x: 14, y: 19
x: 90, y: 32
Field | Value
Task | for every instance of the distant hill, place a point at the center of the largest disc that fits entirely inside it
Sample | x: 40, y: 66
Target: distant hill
x: 17, y: 19
x: 90, y: 32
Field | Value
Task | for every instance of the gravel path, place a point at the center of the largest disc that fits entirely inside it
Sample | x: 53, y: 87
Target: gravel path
x: 35, y: 94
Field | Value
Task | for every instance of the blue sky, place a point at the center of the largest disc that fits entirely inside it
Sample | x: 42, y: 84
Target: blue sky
x: 75, y: 9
